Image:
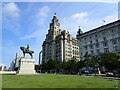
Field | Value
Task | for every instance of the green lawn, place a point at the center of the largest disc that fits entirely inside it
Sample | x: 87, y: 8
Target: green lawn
x: 56, y: 81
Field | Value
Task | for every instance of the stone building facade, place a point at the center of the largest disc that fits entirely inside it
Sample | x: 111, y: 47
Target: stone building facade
x: 59, y: 45
x: 18, y: 57
x: 40, y: 58
x: 102, y: 39
x: 15, y: 63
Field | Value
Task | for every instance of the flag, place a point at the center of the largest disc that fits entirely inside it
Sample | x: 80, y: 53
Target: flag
x: 103, y: 20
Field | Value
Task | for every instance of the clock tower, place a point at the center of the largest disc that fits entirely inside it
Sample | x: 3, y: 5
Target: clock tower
x: 59, y: 45
x: 54, y: 29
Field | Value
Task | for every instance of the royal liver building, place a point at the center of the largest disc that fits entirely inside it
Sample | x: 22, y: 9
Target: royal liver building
x: 59, y: 45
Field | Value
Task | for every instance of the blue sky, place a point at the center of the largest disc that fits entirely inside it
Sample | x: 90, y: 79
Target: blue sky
x: 28, y: 22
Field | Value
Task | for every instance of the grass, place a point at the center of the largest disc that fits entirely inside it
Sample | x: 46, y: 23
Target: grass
x: 56, y: 81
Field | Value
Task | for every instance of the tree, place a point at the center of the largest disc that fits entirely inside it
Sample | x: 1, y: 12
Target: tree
x: 110, y: 61
x: 51, y: 64
x: 58, y: 65
x: 70, y: 65
x: 92, y: 61
x: 80, y: 64
x: 88, y: 60
x: 38, y: 68
x: 45, y: 66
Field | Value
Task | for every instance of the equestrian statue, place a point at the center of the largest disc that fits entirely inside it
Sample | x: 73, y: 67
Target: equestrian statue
x: 26, y: 50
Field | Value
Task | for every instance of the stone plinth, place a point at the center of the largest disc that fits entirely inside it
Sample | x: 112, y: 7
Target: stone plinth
x: 26, y: 66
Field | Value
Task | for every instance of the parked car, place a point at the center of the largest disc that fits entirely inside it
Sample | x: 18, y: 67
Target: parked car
x: 109, y: 74
x: 85, y: 72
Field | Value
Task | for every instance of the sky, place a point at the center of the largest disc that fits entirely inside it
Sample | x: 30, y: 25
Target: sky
x: 28, y: 22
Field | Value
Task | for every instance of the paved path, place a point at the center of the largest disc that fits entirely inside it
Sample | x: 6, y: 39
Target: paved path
x: 7, y: 72
x: 104, y: 76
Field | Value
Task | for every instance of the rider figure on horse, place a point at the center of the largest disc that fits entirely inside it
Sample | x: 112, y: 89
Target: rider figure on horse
x: 27, y: 47
x: 26, y: 50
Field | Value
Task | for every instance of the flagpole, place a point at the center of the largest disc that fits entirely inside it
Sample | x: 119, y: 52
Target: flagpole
x: 103, y: 22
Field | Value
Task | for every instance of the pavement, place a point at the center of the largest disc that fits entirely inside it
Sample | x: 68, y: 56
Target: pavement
x: 103, y: 76
x: 7, y: 72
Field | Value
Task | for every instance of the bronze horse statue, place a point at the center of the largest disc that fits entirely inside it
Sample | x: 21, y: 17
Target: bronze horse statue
x: 26, y: 50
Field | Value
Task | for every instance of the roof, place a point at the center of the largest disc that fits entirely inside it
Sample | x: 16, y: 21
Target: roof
x: 115, y: 22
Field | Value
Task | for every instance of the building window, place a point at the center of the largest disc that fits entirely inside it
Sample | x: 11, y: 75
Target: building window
x: 114, y: 42
x: 96, y: 40
x: 97, y: 45
x: 104, y: 38
x: 105, y: 44
x: 85, y: 39
x: 81, y: 54
x: 90, y: 42
x: 106, y: 50
x: 112, y: 31
x: 80, y: 48
x: 113, y: 36
x: 98, y: 51
x: 96, y: 36
x: 90, y: 37
x: 115, y: 48
x: 91, y: 47
x: 92, y: 52
x: 104, y: 33
x: 86, y: 52
x: 85, y: 47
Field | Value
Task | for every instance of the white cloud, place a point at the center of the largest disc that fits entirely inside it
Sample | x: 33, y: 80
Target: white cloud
x: 11, y: 14
x: 43, y: 11
x: 11, y: 25
x: 11, y: 9
x: 38, y: 36
x: 83, y: 20
x: 79, y: 15
x: 72, y: 22
x: 33, y: 35
x: 111, y: 18
x: 39, y: 20
x: 42, y: 15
